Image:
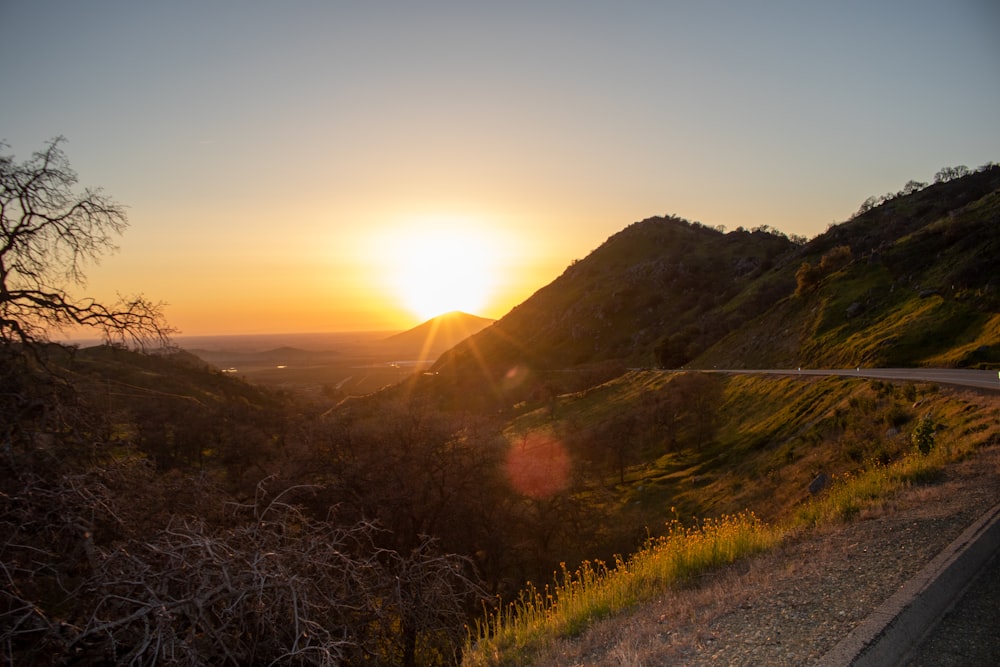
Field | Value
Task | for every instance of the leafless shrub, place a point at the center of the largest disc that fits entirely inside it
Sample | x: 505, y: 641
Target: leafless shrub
x: 277, y: 586
x: 271, y: 587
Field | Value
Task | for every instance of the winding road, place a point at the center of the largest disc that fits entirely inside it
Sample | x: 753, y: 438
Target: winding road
x: 957, y: 376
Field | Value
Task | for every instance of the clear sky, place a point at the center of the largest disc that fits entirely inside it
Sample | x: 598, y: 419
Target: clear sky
x: 322, y: 166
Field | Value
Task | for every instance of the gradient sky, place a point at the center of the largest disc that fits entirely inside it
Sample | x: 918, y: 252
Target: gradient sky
x: 284, y: 164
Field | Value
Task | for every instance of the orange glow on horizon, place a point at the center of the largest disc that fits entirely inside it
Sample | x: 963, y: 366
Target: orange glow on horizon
x: 390, y: 272
x: 431, y: 266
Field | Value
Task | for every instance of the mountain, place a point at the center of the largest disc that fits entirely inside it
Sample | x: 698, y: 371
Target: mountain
x: 156, y: 455
x: 662, y: 291
x: 436, y: 335
x: 910, y: 281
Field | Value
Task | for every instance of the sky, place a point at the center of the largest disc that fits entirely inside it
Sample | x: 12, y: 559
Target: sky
x: 335, y: 166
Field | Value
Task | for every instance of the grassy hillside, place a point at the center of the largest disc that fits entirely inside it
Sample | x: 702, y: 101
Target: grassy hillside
x: 915, y: 286
x: 714, y: 467
x: 133, y: 484
x: 708, y: 444
x: 906, y: 283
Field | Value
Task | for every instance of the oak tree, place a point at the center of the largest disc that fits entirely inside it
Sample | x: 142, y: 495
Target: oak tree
x: 49, y: 231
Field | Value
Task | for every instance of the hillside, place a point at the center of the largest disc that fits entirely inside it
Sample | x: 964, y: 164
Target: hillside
x: 662, y: 289
x: 431, y: 338
x: 618, y: 302
x: 908, y: 282
x: 135, y: 483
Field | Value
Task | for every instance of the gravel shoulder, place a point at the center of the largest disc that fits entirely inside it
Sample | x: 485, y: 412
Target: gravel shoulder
x: 791, y: 606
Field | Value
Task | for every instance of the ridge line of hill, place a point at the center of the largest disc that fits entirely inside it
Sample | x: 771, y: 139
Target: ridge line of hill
x: 907, y: 283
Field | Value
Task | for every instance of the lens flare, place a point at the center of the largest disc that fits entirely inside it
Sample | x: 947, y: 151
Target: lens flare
x: 538, y: 466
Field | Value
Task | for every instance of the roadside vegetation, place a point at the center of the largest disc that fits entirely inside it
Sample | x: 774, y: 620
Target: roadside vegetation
x: 511, y: 632
x: 154, y: 509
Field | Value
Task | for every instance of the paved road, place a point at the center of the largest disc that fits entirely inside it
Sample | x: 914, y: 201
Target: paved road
x: 957, y: 376
x: 967, y: 635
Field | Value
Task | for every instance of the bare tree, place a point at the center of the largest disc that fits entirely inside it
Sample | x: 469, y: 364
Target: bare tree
x: 81, y: 582
x: 48, y: 232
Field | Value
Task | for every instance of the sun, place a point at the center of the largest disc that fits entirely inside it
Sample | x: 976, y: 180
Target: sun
x: 436, y: 269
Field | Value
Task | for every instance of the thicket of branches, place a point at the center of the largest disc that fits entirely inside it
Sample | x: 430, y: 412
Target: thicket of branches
x: 130, y: 535
x: 158, y: 523
x: 87, y: 579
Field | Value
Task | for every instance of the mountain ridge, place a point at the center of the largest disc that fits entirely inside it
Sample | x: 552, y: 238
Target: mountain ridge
x: 439, y: 333
x: 667, y: 292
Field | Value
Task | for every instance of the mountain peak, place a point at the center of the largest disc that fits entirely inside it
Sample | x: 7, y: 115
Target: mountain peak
x: 909, y: 282
x: 438, y: 334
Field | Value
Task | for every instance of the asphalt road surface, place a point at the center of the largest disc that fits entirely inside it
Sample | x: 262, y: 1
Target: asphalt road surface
x: 956, y: 376
x: 969, y: 634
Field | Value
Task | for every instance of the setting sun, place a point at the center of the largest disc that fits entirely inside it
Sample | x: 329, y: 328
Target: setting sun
x: 437, y: 268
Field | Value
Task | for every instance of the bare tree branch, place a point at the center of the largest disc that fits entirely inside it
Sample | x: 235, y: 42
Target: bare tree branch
x: 271, y: 586
x: 48, y: 233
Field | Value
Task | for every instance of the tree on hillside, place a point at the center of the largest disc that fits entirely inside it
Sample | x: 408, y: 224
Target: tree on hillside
x: 48, y: 232
x: 807, y: 278
x: 951, y: 173
x: 835, y: 259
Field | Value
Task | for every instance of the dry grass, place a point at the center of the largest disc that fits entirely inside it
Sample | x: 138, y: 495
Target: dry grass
x: 676, y: 623
x: 690, y: 624
x: 576, y: 600
x: 593, y: 598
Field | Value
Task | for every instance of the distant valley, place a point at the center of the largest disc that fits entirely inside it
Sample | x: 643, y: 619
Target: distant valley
x: 338, y: 363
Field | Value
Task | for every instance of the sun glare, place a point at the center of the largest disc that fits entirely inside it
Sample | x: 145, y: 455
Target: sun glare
x: 438, y: 269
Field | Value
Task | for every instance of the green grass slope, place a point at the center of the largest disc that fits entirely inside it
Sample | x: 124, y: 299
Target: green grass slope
x: 915, y: 285
x: 658, y: 447
x: 908, y: 282
x: 706, y: 444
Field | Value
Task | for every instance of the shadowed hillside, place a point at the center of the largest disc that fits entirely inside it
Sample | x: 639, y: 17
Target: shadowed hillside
x: 660, y: 291
x: 132, y: 483
x: 436, y: 335
x: 905, y: 282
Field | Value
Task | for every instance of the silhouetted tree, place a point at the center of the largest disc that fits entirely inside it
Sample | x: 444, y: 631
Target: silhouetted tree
x: 698, y: 396
x: 610, y: 445
x: 84, y: 583
x: 48, y: 232
x: 951, y: 173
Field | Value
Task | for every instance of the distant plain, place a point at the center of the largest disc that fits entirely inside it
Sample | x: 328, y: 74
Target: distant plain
x: 337, y: 364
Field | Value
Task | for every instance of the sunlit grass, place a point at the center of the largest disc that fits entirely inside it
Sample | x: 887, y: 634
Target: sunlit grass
x: 512, y: 633
x: 852, y: 493
x: 509, y: 634
x: 861, y: 433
